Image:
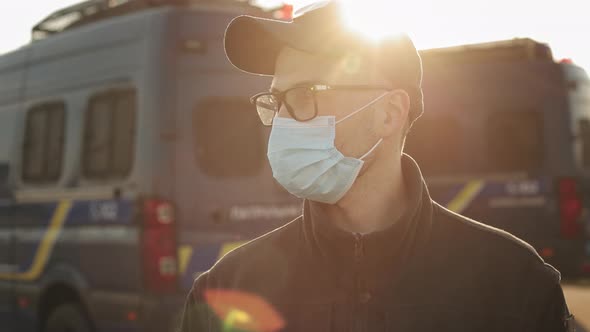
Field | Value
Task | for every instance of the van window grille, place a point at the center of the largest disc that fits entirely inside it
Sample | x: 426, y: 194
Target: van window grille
x: 109, y: 135
x: 43, y: 143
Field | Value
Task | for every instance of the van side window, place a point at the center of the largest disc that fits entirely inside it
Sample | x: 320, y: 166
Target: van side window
x: 109, y: 135
x: 228, y: 139
x: 43, y: 143
x: 515, y: 141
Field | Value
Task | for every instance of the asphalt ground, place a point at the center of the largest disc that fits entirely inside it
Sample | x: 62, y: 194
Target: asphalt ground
x: 578, y: 299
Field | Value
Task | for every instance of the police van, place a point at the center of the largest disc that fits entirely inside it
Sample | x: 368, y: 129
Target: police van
x: 505, y: 139
x: 130, y: 159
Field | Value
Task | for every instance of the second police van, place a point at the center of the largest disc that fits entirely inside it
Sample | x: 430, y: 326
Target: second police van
x: 505, y: 139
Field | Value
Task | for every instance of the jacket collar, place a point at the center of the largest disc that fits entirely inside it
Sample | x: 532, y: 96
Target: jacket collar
x: 373, y: 253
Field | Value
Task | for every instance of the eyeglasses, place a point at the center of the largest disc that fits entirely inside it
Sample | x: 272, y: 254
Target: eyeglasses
x: 300, y: 101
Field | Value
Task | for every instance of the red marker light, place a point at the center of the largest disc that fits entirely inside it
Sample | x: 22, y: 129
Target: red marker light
x: 132, y: 316
x: 566, y: 61
x: 23, y: 302
x: 570, y: 208
x: 547, y: 252
x: 285, y: 13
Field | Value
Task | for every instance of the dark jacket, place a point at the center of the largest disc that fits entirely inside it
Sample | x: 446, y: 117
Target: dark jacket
x: 433, y: 270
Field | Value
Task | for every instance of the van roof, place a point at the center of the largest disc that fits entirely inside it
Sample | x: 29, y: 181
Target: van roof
x: 91, y: 11
x: 513, y: 50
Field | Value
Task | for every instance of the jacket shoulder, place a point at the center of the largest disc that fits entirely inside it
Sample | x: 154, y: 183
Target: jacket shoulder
x: 492, y: 243
x: 265, y: 255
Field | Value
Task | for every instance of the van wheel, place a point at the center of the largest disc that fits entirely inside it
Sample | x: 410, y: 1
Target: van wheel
x: 67, y: 318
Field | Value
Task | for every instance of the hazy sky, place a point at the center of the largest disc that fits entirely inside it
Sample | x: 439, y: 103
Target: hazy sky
x: 564, y: 24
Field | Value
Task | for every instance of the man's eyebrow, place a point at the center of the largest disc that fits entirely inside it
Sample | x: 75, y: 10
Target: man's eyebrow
x: 298, y: 84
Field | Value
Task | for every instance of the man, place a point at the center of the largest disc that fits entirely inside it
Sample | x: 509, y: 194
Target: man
x: 372, y: 251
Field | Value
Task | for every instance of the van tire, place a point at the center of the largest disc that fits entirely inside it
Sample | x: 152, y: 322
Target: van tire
x: 67, y: 318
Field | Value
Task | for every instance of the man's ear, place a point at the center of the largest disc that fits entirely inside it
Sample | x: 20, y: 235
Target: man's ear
x: 393, y: 114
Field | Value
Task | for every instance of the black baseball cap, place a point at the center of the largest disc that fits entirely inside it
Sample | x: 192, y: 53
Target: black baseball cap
x: 252, y: 44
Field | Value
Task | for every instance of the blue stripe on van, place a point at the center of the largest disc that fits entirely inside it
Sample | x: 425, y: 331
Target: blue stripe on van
x: 101, y: 212
x: 43, y: 216
x: 447, y: 194
x: 203, y: 257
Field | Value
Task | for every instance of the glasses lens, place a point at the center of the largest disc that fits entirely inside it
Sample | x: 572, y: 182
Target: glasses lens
x: 302, y: 103
x: 266, y: 106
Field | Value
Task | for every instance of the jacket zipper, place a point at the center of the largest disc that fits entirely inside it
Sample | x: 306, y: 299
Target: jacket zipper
x: 358, y: 248
x: 359, y: 319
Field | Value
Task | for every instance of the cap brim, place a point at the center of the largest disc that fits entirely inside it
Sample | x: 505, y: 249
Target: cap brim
x: 252, y: 44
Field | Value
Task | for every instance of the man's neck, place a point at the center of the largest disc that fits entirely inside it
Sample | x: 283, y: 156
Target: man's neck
x: 376, y: 200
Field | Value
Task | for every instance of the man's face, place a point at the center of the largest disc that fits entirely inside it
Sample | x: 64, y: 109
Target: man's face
x: 357, y: 134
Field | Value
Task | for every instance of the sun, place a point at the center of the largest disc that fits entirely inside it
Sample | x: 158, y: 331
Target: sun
x: 372, y: 19
x: 375, y: 19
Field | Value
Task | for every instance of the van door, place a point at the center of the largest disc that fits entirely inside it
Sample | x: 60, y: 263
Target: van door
x: 12, y: 80
x: 7, y: 267
x: 223, y: 189
x: 225, y: 192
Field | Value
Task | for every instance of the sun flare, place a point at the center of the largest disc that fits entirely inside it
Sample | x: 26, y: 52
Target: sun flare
x: 376, y: 19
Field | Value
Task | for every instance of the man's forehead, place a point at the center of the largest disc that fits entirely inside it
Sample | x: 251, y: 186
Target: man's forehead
x: 294, y: 67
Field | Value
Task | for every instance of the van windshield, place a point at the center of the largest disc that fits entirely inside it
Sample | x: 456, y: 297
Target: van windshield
x: 489, y: 118
x: 502, y: 141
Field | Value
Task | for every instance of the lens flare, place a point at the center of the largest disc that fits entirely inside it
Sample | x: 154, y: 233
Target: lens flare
x: 374, y: 19
x: 236, y: 318
x: 243, y: 311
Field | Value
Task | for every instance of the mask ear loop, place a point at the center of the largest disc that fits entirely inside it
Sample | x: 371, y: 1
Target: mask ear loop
x: 364, y: 107
x: 372, y: 149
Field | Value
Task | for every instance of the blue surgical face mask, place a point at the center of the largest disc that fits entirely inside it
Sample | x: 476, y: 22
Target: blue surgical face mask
x: 305, y: 161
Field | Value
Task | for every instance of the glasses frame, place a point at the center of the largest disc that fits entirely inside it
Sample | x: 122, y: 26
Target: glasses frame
x: 314, y: 88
